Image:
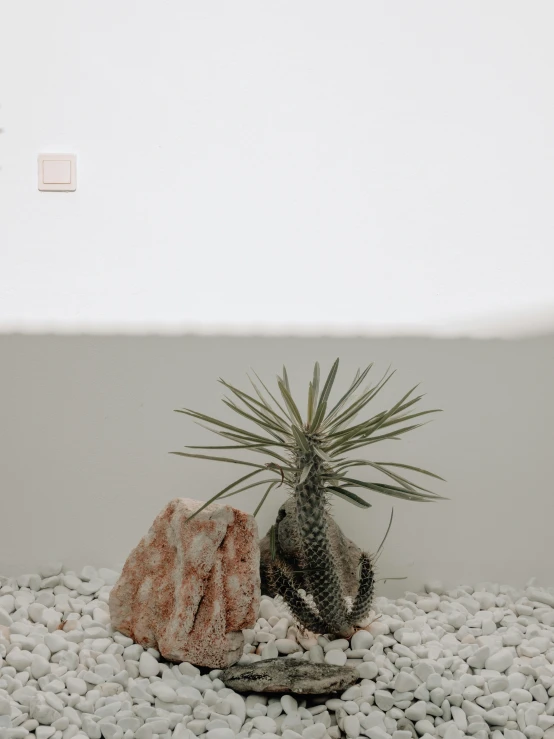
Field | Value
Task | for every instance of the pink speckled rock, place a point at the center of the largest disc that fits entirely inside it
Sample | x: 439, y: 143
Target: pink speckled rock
x: 188, y: 589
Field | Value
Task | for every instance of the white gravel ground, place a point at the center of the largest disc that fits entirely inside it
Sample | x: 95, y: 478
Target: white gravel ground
x: 465, y: 662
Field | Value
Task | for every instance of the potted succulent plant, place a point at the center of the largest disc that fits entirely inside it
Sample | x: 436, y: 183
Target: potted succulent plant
x: 310, y: 455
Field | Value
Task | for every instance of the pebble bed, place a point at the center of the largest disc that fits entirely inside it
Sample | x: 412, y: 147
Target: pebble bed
x: 474, y: 662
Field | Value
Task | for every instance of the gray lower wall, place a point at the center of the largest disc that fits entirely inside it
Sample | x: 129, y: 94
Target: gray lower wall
x: 87, y: 423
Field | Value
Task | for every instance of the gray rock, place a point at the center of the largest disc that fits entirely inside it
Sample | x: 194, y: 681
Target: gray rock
x: 288, y: 676
x: 346, y: 553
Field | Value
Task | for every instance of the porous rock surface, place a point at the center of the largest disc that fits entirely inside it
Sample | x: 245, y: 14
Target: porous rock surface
x: 190, y: 587
x: 289, y: 676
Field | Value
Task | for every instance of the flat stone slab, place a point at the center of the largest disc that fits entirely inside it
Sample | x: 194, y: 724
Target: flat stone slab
x: 284, y: 675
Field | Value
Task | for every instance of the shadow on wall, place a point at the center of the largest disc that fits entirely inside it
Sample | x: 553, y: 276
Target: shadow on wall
x: 88, y: 423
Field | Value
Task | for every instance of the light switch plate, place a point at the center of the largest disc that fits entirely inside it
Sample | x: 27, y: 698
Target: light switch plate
x: 57, y: 172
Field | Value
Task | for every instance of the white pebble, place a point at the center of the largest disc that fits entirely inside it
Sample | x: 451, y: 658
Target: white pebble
x: 410, y: 639
x: 71, y: 582
x: 315, y: 731
x: 425, y: 727
x: 405, y: 682
x: 19, y: 659
x: 500, y: 661
x: 44, y: 732
x: 148, y: 666
x: 336, y: 644
x: 335, y: 657
x: 39, y: 666
x: 459, y: 717
x: 111, y: 731
x: 280, y: 629
x: 434, y: 586
x: 110, y: 577
x: 428, y: 604
x: 42, y: 712
x: 220, y: 734
x: 521, y: 696
x: 287, y: 646
x: 289, y: 703
x: 479, y: 658
x: 384, y: 700
x: 352, y: 727
x: 541, y: 596
x: 49, y: 569
x: 361, y: 640
x: 76, y: 685
x: 377, y: 732
x: 417, y: 711
x: 163, y: 691
x: 56, y: 641
x: 497, y: 717
x: 270, y: 651
x: 368, y: 670
x: 267, y: 608
x: 159, y: 725
x: 264, y: 724
x: 16, y: 733
x: 7, y: 602
x: 316, y: 654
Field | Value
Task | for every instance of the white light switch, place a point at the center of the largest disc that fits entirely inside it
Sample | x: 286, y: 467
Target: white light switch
x: 57, y: 172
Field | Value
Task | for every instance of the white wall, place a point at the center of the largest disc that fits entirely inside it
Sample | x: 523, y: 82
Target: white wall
x: 316, y: 164
x: 87, y: 424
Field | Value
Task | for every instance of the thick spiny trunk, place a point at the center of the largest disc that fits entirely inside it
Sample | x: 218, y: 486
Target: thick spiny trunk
x: 320, y: 571
x: 327, y: 612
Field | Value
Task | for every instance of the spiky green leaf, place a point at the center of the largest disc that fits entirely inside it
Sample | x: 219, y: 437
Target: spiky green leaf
x: 286, y: 378
x: 221, y: 493
x: 305, y: 472
x: 359, y: 378
x: 249, y: 487
x: 273, y: 398
x: 262, y: 501
x: 327, y: 387
x: 263, y: 410
x: 219, y: 459
x: 360, y: 404
x: 271, y: 428
x: 349, y: 496
x: 310, y: 413
x: 247, y: 435
x: 352, y: 444
x: 394, y: 490
x: 263, y: 447
x: 414, y: 469
x: 350, y: 463
x: 322, y: 455
x: 300, y: 438
x: 315, y: 385
x: 294, y: 413
x: 319, y: 416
